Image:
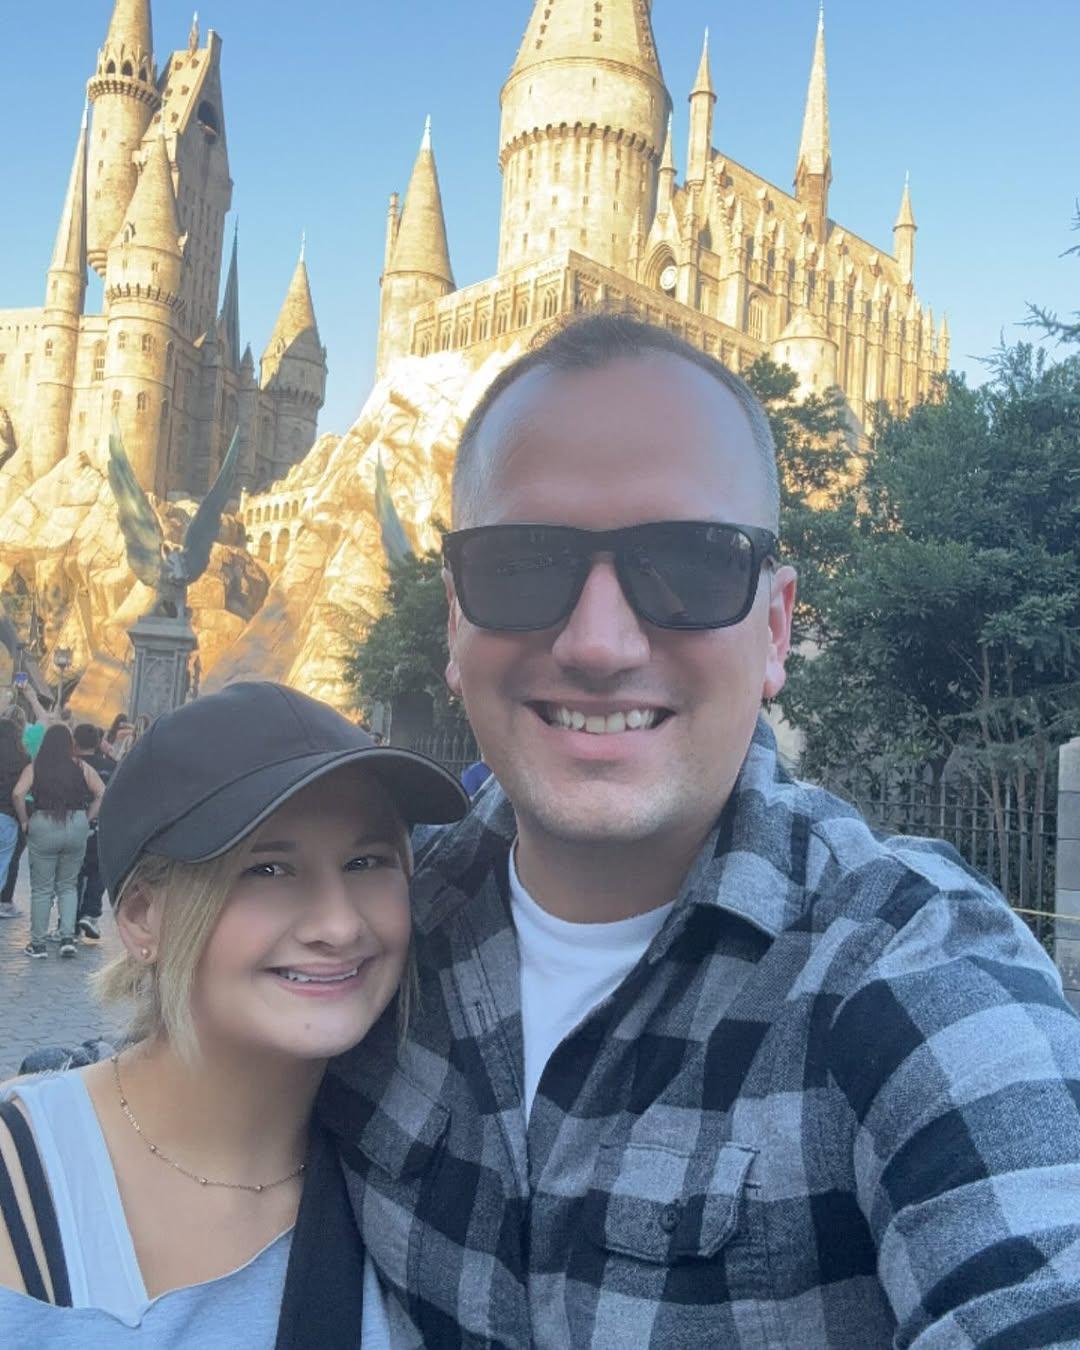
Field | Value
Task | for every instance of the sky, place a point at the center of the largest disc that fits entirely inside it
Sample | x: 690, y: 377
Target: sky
x: 325, y: 104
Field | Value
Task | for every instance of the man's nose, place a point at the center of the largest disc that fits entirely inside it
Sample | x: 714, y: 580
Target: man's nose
x: 603, y: 635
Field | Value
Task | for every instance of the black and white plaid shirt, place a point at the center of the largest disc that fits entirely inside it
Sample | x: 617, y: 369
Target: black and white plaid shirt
x: 836, y: 1104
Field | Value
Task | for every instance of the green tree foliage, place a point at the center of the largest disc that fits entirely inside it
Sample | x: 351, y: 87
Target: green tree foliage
x: 404, y: 651
x: 950, y: 624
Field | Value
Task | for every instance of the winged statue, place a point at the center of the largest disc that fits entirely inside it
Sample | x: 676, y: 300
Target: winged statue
x: 170, y: 569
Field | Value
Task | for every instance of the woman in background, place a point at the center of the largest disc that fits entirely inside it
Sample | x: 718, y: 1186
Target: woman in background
x: 67, y: 794
x: 13, y: 760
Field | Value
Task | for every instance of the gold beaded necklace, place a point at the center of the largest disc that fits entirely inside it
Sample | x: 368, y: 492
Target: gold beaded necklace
x: 193, y: 1176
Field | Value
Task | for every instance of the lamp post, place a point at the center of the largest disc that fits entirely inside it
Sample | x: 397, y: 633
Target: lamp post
x: 61, y: 660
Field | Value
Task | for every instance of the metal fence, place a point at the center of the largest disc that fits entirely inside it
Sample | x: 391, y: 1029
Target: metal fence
x: 1014, y: 848
x: 454, y: 750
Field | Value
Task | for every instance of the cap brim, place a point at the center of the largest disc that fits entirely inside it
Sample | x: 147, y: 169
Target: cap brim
x: 423, y: 792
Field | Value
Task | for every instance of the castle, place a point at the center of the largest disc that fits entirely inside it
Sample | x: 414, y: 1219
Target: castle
x: 145, y: 208
x: 593, y: 214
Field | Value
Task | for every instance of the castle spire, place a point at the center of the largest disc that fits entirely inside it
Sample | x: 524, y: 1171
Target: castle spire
x: 813, y: 167
x: 152, y: 217
x: 69, y: 253
x: 702, y: 102
x: 703, y: 81
x: 193, y: 36
x: 904, y: 233
x: 665, y: 188
x: 561, y: 29
x: 131, y: 29
x: 230, y: 305
x: 421, y: 245
x: 295, y: 318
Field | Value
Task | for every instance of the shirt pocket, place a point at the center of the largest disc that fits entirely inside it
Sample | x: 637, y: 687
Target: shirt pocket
x: 658, y: 1197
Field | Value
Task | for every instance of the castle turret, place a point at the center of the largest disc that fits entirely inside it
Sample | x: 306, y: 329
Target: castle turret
x: 702, y: 102
x: 143, y: 281
x: 904, y: 233
x: 125, y: 96
x: 584, y: 113
x: 58, y: 340
x: 813, y: 168
x: 665, y: 189
x: 417, y: 257
x: 294, y: 373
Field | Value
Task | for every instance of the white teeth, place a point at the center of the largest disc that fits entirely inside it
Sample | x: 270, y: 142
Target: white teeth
x: 298, y: 978
x: 601, y: 724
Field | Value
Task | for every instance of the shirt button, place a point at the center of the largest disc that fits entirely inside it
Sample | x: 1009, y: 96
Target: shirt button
x: 669, y: 1217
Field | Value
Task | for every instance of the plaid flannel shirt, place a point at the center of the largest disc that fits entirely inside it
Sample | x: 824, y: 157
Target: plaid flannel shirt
x: 837, y: 1103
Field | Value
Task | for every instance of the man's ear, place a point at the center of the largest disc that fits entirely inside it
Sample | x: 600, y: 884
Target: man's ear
x: 453, y: 674
x: 781, y: 606
x: 138, y: 921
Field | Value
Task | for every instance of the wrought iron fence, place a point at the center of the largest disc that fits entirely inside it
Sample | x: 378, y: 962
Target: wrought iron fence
x: 454, y: 750
x: 1013, y: 845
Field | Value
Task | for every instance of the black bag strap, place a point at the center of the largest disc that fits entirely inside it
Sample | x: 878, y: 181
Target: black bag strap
x: 324, y: 1284
x: 44, y: 1211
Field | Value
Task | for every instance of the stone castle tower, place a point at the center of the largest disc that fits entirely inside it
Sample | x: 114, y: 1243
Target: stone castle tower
x: 145, y: 207
x: 593, y: 213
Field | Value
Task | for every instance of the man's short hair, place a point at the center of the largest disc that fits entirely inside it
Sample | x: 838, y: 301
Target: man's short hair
x: 590, y: 343
x: 87, y: 737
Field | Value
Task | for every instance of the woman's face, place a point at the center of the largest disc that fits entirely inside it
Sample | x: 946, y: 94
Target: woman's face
x: 313, y: 939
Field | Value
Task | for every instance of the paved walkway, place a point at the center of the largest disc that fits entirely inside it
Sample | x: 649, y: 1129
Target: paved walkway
x: 47, y: 1002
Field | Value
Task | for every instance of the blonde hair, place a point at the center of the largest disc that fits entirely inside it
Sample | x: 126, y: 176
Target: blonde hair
x: 193, y: 896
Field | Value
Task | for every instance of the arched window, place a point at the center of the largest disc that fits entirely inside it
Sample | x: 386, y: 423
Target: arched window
x: 483, y: 328
x: 127, y: 69
x: 140, y: 403
x: 296, y: 508
x: 521, y: 318
x: 110, y: 69
x: 282, y: 547
x: 757, y: 318
x: 502, y: 319
x: 115, y: 399
x: 264, y: 547
x: 99, y: 362
x: 121, y: 341
x: 147, y: 343
x: 48, y: 347
x: 551, y: 304
x: 168, y: 356
x: 444, y: 339
x: 277, y: 511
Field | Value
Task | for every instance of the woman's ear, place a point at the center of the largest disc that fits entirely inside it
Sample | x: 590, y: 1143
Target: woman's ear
x: 138, y: 921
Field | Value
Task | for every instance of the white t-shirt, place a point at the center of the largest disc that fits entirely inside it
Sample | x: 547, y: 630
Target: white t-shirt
x: 567, y: 969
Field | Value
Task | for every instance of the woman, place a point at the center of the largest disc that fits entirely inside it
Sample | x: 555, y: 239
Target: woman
x: 13, y: 760
x: 256, y: 847
x: 117, y: 736
x: 67, y: 794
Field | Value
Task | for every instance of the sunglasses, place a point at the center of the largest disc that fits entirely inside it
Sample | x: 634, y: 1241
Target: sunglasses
x: 686, y: 574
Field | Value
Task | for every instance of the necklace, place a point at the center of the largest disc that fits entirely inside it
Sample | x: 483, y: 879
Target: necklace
x: 193, y: 1176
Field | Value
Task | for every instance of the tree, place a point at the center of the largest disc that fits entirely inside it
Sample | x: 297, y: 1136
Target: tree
x: 950, y: 619
x: 404, y: 651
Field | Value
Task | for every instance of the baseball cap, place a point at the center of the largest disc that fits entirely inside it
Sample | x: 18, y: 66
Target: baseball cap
x: 206, y: 775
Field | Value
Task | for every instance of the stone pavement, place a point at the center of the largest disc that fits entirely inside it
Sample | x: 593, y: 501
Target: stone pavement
x: 47, y: 1002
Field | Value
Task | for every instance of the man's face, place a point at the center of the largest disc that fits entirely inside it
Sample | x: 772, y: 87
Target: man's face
x: 642, y: 439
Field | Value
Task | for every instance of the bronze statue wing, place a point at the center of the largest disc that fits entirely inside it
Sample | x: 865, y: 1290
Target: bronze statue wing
x: 138, y: 520
x: 206, y: 521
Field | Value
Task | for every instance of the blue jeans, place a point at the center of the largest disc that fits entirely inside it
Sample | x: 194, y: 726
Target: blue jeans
x: 9, y: 837
x: 56, y: 855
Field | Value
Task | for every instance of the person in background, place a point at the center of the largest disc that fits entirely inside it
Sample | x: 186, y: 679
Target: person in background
x: 16, y: 715
x: 91, y: 887
x: 67, y: 795
x: 117, y: 736
x: 13, y: 760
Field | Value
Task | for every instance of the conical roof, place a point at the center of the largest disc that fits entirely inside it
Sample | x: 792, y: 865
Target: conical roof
x: 230, y: 306
x: 814, y: 153
x: 906, y: 216
x: 297, y: 314
x: 703, y: 80
x: 421, y: 238
x: 69, y: 253
x: 152, y: 211
x: 620, y: 30
x: 131, y: 28
x: 667, y: 163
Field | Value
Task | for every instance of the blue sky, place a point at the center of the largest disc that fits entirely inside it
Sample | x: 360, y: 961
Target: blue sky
x: 325, y: 104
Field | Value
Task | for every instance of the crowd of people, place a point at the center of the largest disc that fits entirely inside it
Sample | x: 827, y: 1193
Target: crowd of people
x: 53, y: 775
x: 646, y: 1044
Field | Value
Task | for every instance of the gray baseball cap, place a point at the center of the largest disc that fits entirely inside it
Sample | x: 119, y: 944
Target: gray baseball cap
x: 206, y: 775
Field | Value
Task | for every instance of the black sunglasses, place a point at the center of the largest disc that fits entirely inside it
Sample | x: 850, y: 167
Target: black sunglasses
x: 689, y: 574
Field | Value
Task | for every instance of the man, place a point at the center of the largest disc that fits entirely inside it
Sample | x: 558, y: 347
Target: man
x: 91, y: 887
x: 696, y: 1060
